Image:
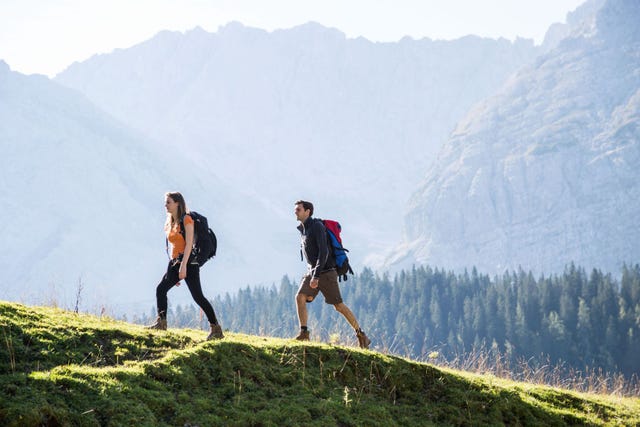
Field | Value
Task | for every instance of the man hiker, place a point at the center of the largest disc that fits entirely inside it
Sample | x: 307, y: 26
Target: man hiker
x: 321, y: 275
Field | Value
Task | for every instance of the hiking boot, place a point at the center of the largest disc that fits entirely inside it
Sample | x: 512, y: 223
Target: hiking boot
x: 161, y: 324
x: 303, y: 336
x: 363, y: 339
x: 216, y: 332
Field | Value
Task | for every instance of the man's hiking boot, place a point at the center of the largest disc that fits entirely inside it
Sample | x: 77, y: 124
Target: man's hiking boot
x: 216, y: 332
x: 160, y: 324
x: 363, y: 339
x: 303, y: 336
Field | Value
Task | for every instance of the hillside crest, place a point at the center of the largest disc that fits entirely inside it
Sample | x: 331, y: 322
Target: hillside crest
x: 58, y: 367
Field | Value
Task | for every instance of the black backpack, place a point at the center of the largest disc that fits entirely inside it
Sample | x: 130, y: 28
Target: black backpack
x: 205, y: 243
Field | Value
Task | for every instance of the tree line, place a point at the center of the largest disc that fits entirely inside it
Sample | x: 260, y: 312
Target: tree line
x: 576, y: 318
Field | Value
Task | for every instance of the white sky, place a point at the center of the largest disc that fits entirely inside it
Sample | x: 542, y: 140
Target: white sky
x: 46, y: 36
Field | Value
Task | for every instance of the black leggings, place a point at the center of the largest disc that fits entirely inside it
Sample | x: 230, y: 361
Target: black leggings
x: 193, y: 282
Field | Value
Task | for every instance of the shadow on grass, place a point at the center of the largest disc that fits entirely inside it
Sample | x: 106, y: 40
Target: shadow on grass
x: 272, y: 382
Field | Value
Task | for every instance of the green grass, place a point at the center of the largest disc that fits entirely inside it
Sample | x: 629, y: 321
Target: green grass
x: 61, y: 368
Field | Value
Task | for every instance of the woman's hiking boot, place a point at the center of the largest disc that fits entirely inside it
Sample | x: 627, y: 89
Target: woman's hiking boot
x: 160, y: 324
x: 303, y: 336
x: 216, y: 332
x: 363, y: 339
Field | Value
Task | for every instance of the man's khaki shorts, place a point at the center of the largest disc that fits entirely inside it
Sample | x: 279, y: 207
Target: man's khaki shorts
x: 327, y: 284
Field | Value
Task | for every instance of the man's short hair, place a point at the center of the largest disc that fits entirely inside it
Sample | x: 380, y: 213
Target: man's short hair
x: 307, y: 206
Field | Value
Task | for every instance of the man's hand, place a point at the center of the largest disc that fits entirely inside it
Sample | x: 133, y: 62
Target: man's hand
x: 314, y: 283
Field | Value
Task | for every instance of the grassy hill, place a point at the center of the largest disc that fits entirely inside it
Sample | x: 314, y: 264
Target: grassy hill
x: 61, y: 368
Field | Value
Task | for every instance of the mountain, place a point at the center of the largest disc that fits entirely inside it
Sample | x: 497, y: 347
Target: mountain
x: 84, y: 201
x: 580, y: 22
x: 546, y: 171
x: 302, y: 113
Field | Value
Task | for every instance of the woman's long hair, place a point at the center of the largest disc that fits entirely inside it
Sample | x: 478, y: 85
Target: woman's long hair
x: 182, y: 209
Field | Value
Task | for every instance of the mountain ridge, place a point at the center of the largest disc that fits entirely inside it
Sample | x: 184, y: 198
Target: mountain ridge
x: 373, y: 113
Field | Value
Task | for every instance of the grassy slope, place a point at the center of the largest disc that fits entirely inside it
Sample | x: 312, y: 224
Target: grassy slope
x: 59, y: 368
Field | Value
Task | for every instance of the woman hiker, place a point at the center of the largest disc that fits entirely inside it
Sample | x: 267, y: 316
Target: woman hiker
x: 179, y: 230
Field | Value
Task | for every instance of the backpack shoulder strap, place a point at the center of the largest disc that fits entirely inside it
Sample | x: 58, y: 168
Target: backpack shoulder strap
x: 182, y: 231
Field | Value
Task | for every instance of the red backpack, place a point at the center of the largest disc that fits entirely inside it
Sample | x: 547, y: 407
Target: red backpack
x: 338, y: 251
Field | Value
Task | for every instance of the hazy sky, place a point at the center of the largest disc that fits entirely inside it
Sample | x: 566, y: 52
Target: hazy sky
x: 45, y: 36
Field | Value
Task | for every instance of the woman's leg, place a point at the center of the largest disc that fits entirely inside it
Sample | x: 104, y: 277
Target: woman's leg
x: 193, y: 282
x: 168, y: 281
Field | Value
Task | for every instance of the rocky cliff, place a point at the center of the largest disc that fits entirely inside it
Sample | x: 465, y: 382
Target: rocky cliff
x: 546, y: 171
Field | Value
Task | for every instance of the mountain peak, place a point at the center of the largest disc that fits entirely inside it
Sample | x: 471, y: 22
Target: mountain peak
x: 233, y: 28
x: 580, y: 22
x: 316, y: 27
x: 197, y: 30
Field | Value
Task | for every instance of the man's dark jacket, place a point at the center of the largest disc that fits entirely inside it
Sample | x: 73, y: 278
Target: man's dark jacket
x: 315, y: 247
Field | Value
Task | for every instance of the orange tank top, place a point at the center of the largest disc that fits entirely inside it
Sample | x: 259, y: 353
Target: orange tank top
x: 175, y: 238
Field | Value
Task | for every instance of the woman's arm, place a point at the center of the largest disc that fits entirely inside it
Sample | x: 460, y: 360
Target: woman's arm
x: 188, y: 238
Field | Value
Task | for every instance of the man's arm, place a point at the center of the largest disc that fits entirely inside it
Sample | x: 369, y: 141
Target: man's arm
x: 320, y: 236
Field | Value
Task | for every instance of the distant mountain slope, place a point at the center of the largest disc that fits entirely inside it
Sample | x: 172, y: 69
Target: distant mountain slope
x: 58, y: 368
x: 303, y: 112
x: 545, y: 172
x: 83, y: 199
x: 85, y: 202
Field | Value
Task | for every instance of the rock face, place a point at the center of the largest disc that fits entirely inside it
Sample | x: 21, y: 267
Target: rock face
x: 546, y: 171
x: 580, y: 22
x: 302, y: 113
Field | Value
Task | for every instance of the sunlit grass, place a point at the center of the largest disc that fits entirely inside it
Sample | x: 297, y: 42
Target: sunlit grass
x: 73, y: 369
